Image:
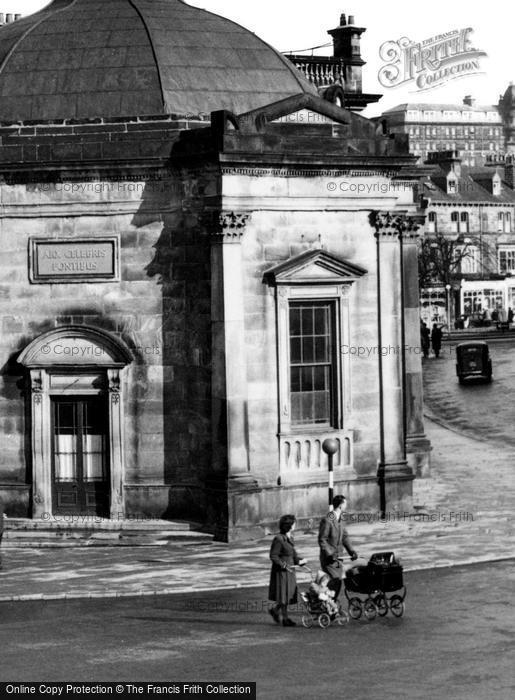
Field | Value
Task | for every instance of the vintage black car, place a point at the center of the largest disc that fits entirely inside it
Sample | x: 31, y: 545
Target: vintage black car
x: 473, y: 361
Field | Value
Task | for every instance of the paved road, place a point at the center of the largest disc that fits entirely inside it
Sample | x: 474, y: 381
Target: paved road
x: 484, y: 411
x: 455, y: 641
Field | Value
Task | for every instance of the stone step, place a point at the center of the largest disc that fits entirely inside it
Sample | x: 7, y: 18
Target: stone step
x: 88, y: 522
x: 97, y: 532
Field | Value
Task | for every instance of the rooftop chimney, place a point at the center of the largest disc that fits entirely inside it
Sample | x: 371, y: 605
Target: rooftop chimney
x: 469, y: 100
x: 8, y: 18
x: 449, y: 161
x: 347, y: 47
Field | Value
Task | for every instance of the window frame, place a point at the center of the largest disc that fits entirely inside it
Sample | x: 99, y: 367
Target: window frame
x: 338, y: 296
x: 506, y: 250
x: 332, y: 422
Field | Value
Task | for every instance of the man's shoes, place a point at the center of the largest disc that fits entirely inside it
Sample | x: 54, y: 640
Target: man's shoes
x: 289, y: 623
x: 273, y: 612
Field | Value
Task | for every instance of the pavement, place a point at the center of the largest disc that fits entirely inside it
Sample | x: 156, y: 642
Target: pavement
x: 463, y: 514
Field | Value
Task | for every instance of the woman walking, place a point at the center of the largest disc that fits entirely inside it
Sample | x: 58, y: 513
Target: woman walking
x: 283, y: 582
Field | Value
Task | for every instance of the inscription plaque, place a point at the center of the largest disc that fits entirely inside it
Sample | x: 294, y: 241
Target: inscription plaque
x: 71, y: 260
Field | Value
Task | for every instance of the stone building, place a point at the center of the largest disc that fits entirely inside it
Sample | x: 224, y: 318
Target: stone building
x: 473, y: 210
x: 199, y: 280
x: 475, y: 131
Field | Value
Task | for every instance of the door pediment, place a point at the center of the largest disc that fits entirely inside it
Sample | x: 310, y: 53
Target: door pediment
x: 77, y: 346
x: 314, y: 267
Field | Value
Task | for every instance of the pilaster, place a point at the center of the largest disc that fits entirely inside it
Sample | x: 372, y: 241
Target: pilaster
x: 229, y: 402
x: 400, y: 364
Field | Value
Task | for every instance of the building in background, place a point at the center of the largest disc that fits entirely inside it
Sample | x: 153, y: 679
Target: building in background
x: 475, y: 131
x: 469, y: 242
x: 203, y: 261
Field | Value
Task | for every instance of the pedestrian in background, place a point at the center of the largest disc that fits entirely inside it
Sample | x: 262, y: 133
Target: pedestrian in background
x: 283, y: 581
x: 425, y: 338
x: 436, y: 339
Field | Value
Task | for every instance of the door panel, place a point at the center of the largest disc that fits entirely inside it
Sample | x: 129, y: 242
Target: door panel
x: 80, y: 455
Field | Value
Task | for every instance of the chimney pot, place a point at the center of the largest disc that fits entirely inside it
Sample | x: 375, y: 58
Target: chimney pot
x: 343, y: 20
x: 351, y: 19
x: 17, y: 17
x: 8, y: 18
x: 2, y: 18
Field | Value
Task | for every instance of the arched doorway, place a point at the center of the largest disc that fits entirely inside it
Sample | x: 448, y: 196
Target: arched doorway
x: 76, y: 406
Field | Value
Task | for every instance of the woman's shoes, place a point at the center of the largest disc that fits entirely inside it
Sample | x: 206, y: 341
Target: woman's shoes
x: 289, y: 623
x: 273, y: 612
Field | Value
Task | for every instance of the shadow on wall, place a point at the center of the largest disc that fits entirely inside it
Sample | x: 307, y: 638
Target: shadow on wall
x: 181, y: 265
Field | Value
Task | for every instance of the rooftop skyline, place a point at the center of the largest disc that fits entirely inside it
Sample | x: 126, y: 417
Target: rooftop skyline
x: 293, y: 26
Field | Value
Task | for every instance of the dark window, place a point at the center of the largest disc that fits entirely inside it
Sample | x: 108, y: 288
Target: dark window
x: 312, y: 363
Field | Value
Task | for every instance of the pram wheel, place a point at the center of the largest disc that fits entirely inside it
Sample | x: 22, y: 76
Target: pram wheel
x: 324, y: 620
x: 307, y: 621
x: 397, y: 606
x: 370, y: 609
x: 355, y: 608
x: 381, y: 605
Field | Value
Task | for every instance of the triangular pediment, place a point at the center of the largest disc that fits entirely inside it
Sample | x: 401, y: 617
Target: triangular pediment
x: 304, y: 117
x: 308, y: 108
x: 314, y: 267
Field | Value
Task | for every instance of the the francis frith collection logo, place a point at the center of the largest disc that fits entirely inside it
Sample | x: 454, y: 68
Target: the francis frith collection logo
x: 429, y: 63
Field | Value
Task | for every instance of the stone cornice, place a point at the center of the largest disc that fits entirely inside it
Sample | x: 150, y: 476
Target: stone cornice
x: 296, y: 171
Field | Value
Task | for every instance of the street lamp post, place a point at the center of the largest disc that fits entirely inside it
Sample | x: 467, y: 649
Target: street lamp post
x: 448, y: 290
x: 330, y: 447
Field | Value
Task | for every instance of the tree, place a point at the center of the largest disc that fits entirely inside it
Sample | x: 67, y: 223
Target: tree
x: 440, y: 258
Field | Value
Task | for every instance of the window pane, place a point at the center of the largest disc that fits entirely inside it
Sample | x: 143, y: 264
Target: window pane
x: 294, y: 321
x: 295, y: 379
x: 322, y: 321
x: 308, y: 354
x: 321, y: 406
x: 65, y: 467
x: 307, y: 321
x: 321, y: 379
x: 295, y: 351
x: 307, y: 379
x: 308, y: 414
x: 296, y: 416
x: 322, y: 349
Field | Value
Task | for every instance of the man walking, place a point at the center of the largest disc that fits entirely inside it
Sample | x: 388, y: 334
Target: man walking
x: 436, y: 339
x: 332, y: 538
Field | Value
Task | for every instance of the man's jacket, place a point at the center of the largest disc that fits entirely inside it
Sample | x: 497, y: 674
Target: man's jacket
x: 332, y: 539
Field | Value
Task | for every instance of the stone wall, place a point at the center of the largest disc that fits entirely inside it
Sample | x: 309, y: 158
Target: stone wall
x: 159, y: 308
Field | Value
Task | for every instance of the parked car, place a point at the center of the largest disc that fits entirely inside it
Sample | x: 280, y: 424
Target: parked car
x: 473, y: 361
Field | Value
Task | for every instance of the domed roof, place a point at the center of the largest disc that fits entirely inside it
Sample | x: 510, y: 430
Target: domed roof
x: 80, y: 59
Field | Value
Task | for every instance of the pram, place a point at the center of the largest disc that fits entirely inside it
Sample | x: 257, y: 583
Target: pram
x: 319, y: 604
x: 367, y: 588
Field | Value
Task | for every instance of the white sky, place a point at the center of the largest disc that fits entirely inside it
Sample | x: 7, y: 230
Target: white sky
x: 298, y: 24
